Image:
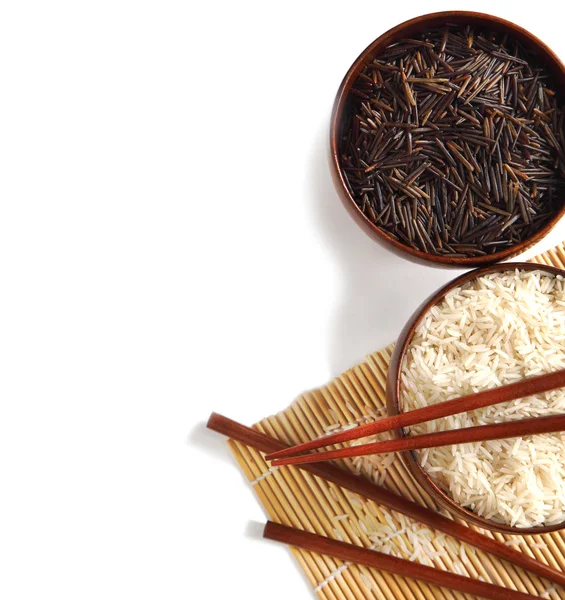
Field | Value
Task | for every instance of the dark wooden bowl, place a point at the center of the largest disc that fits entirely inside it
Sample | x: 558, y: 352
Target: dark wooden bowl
x: 406, y: 29
x: 393, y: 392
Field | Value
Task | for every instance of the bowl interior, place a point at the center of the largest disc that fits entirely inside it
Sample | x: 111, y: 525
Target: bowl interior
x: 418, y: 25
x: 393, y: 395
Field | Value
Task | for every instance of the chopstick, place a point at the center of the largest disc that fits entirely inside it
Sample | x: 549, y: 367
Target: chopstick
x: 391, y: 564
x: 363, y: 487
x: 465, y: 435
x: 505, y: 393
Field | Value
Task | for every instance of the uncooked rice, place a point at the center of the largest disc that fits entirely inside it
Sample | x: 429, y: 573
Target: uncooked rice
x: 494, y: 330
x: 394, y: 533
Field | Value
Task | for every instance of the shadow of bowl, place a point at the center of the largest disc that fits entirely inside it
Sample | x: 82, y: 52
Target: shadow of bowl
x: 377, y: 289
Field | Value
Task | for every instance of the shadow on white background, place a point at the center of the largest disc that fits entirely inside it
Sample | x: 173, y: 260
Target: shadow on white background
x: 377, y: 295
x: 210, y: 443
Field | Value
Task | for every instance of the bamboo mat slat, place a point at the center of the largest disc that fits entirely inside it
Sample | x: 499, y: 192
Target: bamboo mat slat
x: 299, y: 499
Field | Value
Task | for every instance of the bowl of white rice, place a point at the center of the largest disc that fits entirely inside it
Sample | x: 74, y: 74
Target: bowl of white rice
x: 487, y: 328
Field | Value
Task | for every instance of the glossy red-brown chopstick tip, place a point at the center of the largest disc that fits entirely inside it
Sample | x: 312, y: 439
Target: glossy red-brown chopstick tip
x: 466, y: 435
x: 520, y: 389
x: 384, y: 562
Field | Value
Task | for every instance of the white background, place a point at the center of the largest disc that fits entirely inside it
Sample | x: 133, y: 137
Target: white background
x: 171, y: 244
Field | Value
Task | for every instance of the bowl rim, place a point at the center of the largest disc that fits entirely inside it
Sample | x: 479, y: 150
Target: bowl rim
x: 393, y: 394
x: 546, y: 55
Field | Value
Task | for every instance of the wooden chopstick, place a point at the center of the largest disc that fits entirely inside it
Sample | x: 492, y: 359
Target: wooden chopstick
x: 391, y: 564
x: 464, y: 435
x: 367, y: 489
x: 513, y: 391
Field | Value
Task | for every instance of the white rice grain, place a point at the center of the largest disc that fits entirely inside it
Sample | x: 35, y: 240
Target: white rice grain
x: 492, y: 331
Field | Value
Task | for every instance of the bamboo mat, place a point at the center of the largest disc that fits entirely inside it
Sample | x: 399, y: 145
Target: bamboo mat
x: 293, y: 497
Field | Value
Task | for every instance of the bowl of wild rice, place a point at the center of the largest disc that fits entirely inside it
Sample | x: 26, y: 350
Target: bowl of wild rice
x: 490, y: 327
x: 447, y: 139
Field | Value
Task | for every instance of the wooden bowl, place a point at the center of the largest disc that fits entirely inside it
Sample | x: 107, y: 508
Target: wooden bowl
x: 393, y: 393
x: 407, y: 29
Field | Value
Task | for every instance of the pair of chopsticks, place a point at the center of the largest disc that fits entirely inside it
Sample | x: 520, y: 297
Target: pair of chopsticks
x: 524, y: 427
x: 363, y: 487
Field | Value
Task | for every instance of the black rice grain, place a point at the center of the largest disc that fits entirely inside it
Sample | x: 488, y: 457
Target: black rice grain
x: 452, y: 142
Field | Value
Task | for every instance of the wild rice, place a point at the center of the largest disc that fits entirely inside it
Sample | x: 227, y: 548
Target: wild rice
x: 455, y: 149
